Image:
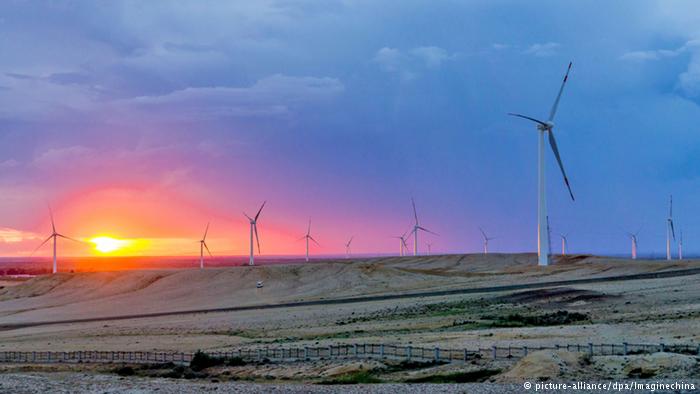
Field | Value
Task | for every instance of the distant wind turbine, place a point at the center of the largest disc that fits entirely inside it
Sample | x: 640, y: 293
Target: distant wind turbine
x: 54, y: 235
x: 680, y: 245
x: 402, y: 243
x: 416, y: 228
x: 308, y: 237
x: 486, y: 240
x: 670, y: 232
x: 254, y: 230
x: 347, y: 247
x: 429, y: 245
x: 634, y: 239
x: 564, y: 244
x: 202, y: 246
x: 546, y: 128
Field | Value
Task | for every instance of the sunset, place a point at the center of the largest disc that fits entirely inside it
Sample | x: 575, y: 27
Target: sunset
x: 349, y: 196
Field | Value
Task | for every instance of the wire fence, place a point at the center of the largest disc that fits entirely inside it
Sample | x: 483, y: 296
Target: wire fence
x: 339, y: 351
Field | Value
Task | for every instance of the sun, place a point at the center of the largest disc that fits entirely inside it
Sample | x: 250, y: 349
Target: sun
x: 105, y: 244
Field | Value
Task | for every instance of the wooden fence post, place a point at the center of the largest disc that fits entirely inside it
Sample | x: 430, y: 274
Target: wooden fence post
x: 408, y: 352
x: 525, y: 350
x: 494, y: 350
x: 624, y: 348
x: 437, y: 354
x: 590, y: 349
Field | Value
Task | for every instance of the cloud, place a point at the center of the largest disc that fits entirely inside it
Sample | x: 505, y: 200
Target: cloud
x: 273, y: 95
x: 389, y: 59
x: 432, y: 55
x: 11, y: 235
x: 10, y: 163
x: 657, y: 54
x: 411, y: 63
x: 543, y: 50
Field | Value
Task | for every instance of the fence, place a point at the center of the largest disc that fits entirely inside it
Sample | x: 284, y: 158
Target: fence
x: 282, y: 354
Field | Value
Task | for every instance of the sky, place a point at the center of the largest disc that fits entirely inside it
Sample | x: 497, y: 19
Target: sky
x: 147, y: 120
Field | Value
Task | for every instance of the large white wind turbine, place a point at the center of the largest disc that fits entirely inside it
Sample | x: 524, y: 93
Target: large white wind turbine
x: 202, y: 246
x: 416, y: 228
x: 347, y: 247
x: 546, y: 128
x: 308, y: 237
x: 670, y: 232
x: 254, y: 230
x: 486, y: 240
x: 54, y: 235
x: 564, y: 244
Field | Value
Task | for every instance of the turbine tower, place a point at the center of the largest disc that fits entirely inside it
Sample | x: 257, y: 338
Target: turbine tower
x: 54, y: 235
x: 308, y: 237
x: 633, y: 238
x: 564, y: 244
x: 254, y: 230
x: 416, y: 228
x: 670, y: 232
x: 347, y: 247
x: 486, y: 240
x: 202, y: 246
x: 680, y: 245
x: 546, y: 128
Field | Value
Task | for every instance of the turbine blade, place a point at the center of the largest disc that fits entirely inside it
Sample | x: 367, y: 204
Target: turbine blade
x: 528, y: 118
x: 260, y: 210
x: 53, y: 225
x: 308, y: 231
x: 415, y: 214
x: 205, y: 232
x: 312, y: 238
x: 426, y: 230
x: 561, y: 90
x: 403, y: 241
x: 482, y: 232
x: 207, y: 248
x: 303, y: 237
x: 42, y: 244
x: 257, y: 239
x: 246, y: 215
x: 673, y: 232
x: 553, y: 144
x: 72, y: 239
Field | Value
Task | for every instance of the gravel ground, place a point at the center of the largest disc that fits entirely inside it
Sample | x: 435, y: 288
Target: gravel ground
x: 20, y: 383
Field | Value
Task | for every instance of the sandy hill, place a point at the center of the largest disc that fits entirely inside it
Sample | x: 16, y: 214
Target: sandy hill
x: 96, y: 294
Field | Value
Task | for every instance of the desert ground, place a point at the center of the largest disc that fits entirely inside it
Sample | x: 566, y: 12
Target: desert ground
x: 39, y: 314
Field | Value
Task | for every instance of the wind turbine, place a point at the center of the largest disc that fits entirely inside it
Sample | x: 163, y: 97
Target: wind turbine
x: 680, y: 245
x: 402, y: 243
x: 564, y: 244
x: 670, y: 232
x: 347, y: 247
x: 429, y: 245
x: 254, y: 230
x: 546, y: 128
x: 486, y: 240
x: 633, y: 238
x: 53, y: 235
x: 202, y: 246
x: 308, y: 237
x: 416, y: 228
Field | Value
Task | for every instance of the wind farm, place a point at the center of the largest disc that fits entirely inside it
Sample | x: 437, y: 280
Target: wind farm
x: 182, y: 149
